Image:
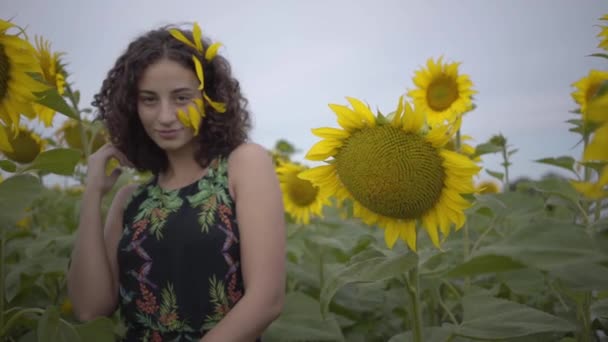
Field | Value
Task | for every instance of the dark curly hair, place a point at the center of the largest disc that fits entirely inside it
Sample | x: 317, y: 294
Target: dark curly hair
x: 116, y: 102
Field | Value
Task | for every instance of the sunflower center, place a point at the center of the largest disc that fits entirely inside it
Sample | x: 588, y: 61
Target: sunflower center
x: 301, y: 191
x: 4, y: 69
x: 441, y: 93
x: 391, y: 172
x: 25, y: 147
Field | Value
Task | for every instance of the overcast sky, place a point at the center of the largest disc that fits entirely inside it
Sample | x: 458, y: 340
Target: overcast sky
x: 294, y: 57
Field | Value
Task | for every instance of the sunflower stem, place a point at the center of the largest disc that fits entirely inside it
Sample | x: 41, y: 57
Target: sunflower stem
x: 466, y: 243
x: 2, y: 280
x: 413, y: 289
x: 83, y: 133
x: 458, y: 140
x: 506, y: 163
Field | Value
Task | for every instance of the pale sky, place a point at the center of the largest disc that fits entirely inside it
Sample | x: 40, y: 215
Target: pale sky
x: 293, y: 58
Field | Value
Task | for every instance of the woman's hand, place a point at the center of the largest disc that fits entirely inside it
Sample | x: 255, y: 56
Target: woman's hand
x: 97, y: 180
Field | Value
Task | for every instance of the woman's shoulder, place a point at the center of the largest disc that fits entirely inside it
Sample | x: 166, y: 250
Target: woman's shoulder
x: 249, y: 154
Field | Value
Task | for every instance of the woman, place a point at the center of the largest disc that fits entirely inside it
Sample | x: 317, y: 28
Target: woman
x: 198, y: 252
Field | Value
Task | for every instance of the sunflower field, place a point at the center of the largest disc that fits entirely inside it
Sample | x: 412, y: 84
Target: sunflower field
x: 394, y: 232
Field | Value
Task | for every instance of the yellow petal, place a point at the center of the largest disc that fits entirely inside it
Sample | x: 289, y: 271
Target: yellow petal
x: 391, y: 233
x: 212, y: 51
x: 4, y: 142
x: 330, y: 133
x: 363, y: 110
x: 199, y: 72
x: 429, y: 221
x: 177, y: 34
x: 183, y: 118
x: 195, y: 118
x: 413, y: 120
x: 396, y: 122
x: 219, y: 107
x: 197, y: 36
x: 323, y: 149
x: 408, y: 234
x: 346, y: 117
x: 318, y: 173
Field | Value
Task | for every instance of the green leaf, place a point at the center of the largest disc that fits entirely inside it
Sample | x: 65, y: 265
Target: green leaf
x: 487, y: 148
x: 486, y: 317
x: 602, y: 55
x: 436, y: 334
x: 368, y: 270
x: 485, y: 264
x: 512, y: 152
x: 48, y: 326
x: 301, y: 320
x: 98, y: 330
x: 8, y: 166
x: 56, y: 102
x: 498, y: 175
x: 600, y: 309
x: 565, y: 162
x: 16, y: 194
x: 61, y: 161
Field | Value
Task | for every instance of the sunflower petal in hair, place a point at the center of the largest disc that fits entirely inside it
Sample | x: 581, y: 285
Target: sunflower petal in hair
x: 177, y: 34
x: 219, y: 107
x: 197, y: 36
x: 183, y: 118
x: 195, y: 118
x: 212, y: 51
x: 199, y: 72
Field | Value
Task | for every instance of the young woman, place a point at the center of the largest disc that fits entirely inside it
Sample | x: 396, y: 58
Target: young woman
x: 198, y: 252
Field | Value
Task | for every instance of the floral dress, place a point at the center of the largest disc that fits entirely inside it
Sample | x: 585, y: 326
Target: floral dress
x: 179, y: 259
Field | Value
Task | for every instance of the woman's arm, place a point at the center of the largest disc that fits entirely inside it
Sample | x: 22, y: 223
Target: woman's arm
x: 92, y: 275
x: 260, y: 215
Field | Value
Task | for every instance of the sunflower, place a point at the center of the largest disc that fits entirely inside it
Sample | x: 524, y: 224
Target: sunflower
x: 302, y: 199
x: 17, y: 61
x: 487, y: 187
x: 26, y: 146
x: 587, y: 87
x: 70, y: 134
x: 442, y: 92
x: 53, y: 73
x: 396, y: 172
x: 598, y: 113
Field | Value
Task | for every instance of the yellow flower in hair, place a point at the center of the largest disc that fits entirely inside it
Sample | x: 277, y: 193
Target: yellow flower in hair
x: 211, y: 52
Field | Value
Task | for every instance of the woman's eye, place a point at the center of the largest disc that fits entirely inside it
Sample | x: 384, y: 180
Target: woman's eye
x: 183, y: 99
x: 148, y: 100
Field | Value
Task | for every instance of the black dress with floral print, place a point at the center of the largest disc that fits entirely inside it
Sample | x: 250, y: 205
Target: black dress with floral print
x: 178, y: 259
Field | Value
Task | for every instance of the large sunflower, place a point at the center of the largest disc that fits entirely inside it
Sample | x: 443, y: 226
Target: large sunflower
x: 442, y: 92
x: 53, y: 72
x: 396, y: 172
x: 302, y: 199
x: 17, y: 60
x: 587, y: 87
x: 26, y: 145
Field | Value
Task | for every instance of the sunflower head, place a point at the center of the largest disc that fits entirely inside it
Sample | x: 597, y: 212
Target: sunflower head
x: 302, y: 199
x: 442, y: 91
x: 587, y: 87
x: 69, y: 133
x: 53, y: 72
x: 603, y: 34
x: 17, y: 87
x: 26, y: 146
x: 487, y: 187
x: 397, y: 172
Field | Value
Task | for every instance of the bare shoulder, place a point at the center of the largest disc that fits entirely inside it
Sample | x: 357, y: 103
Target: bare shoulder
x: 249, y: 161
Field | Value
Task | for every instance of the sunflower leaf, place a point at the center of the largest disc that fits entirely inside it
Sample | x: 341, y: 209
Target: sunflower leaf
x: 498, y: 175
x: 56, y: 102
x: 365, y: 271
x: 490, y: 318
x: 8, y: 166
x: 565, y: 162
x: 16, y: 194
x: 487, y: 148
x: 60, y: 161
x: 601, y: 55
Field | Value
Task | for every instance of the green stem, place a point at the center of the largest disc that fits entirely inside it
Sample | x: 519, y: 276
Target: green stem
x: 413, y: 289
x: 15, y: 317
x: 584, y: 317
x: 505, y: 157
x: 458, y: 141
x: 466, y: 243
x: 2, y: 280
x: 83, y: 136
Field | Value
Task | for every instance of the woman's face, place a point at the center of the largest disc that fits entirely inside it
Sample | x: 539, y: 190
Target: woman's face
x: 165, y: 87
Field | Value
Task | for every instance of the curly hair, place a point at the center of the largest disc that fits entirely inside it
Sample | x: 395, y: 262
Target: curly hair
x: 116, y: 102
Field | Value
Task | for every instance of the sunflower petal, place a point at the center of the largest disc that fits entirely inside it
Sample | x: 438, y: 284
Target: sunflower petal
x: 408, y: 234
x: 195, y: 118
x: 212, y: 51
x: 199, y: 72
x: 391, y: 234
x: 197, y: 36
x: 330, y: 133
x: 346, y: 117
x: 183, y: 118
x: 363, y: 110
x: 323, y: 149
x: 219, y: 107
x: 397, y: 117
x: 177, y: 34
x: 413, y: 119
x: 4, y: 142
